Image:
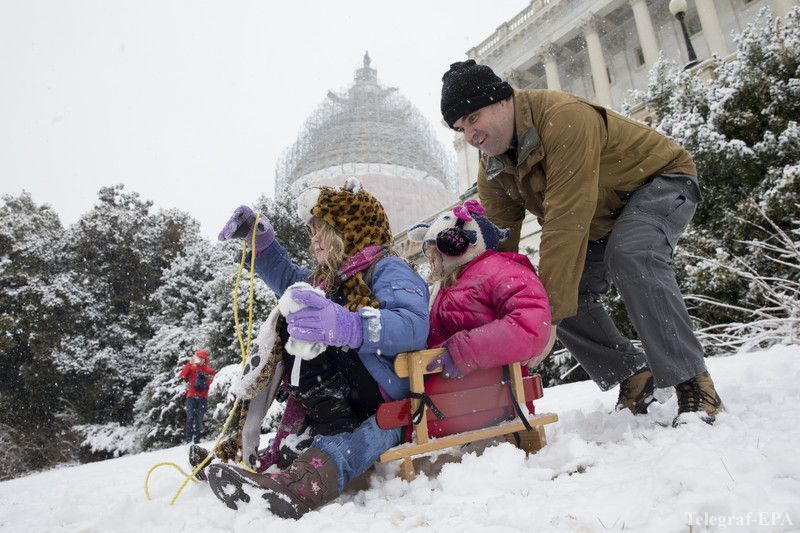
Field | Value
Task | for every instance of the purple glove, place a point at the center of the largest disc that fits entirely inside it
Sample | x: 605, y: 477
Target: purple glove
x: 240, y: 226
x: 450, y: 370
x: 323, y: 321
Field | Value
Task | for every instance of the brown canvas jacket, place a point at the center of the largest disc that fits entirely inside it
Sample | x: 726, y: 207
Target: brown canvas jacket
x: 574, y: 159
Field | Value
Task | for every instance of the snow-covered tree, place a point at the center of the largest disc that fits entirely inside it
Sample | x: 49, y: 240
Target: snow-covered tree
x: 289, y: 229
x: 196, y: 299
x: 37, y: 299
x: 772, y: 310
x: 98, y: 319
x: 739, y: 120
x: 118, y: 250
x: 210, y: 317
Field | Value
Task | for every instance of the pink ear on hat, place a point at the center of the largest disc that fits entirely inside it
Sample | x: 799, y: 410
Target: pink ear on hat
x: 470, y: 206
x: 474, y: 206
x: 462, y: 213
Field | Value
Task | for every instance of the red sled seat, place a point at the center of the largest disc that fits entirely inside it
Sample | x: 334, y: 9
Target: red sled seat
x: 444, y: 413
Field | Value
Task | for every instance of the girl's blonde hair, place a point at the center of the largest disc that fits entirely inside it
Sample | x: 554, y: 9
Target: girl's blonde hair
x: 327, y: 272
x: 445, y: 279
x: 451, y: 277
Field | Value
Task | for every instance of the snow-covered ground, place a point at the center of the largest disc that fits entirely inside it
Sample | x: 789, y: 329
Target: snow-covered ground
x: 600, y: 471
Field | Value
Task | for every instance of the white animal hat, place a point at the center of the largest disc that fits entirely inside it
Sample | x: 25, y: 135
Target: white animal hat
x: 460, y: 235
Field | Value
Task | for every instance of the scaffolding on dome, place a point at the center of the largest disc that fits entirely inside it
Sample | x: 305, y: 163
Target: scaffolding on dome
x: 368, y: 126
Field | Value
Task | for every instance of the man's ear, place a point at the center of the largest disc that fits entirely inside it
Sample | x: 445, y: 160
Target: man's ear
x: 417, y: 232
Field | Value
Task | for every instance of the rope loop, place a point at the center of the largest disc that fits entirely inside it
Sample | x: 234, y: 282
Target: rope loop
x: 245, y: 349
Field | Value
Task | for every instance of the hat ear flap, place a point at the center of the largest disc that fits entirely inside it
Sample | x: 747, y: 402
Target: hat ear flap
x: 504, y: 234
x: 417, y: 232
x: 453, y: 241
x: 305, y: 203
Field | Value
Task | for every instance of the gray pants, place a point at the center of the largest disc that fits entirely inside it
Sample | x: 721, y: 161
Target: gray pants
x: 637, y: 258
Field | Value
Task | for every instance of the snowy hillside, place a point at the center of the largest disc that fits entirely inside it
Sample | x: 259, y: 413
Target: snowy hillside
x: 600, y: 472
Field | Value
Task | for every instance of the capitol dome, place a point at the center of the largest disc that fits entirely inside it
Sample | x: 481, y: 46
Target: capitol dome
x: 374, y: 133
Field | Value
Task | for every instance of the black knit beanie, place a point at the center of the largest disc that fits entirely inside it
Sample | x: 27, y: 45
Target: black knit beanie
x: 467, y: 87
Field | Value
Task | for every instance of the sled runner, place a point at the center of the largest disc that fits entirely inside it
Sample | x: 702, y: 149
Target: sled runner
x: 527, y: 428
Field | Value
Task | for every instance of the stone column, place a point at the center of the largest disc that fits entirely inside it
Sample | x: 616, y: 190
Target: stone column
x: 644, y: 27
x: 551, y: 67
x: 519, y: 79
x: 602, y: 89
x: 782, y: 7
x: 466, y: 163
x: 711, y: 28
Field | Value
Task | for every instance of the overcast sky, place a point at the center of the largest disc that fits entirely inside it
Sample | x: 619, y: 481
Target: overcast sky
x: 190, y: 103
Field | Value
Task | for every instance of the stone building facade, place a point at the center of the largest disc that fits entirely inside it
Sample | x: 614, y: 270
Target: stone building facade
x: 599, y: 50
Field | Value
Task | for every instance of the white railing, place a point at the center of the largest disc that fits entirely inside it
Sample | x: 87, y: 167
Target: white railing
x: 511, y: 26
x: 493, y: 40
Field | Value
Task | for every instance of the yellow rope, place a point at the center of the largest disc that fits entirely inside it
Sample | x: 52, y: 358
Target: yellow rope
x: 147, y: 477
x: 236, y: 298
x: 208, y: 457
x: 246, y: 353
x: 245, y: 348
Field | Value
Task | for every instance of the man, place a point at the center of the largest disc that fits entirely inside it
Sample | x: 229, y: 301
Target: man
x: 199, y: 375
x: 612, y: 197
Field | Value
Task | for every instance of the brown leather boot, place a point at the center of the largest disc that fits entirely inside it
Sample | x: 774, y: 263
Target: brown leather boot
x: 636, y: 392
x: 310, y: 482
x: 698, y: 395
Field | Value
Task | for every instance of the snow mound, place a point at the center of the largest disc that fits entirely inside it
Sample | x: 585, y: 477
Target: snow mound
x: 601, y: 470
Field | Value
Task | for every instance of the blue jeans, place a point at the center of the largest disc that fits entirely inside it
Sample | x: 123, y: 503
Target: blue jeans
x: 353, y: 453
x: 195, y: 411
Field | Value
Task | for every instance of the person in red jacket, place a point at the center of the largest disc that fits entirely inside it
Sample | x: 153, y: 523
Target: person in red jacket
x: 199, y: 375
x: 488, y: 309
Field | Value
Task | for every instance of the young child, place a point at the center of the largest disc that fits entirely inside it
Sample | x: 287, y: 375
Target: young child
x: 374, y: 307
x: 488, y: 309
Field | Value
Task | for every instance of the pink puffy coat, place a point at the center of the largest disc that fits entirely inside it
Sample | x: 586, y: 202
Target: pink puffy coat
x: 495, y: 313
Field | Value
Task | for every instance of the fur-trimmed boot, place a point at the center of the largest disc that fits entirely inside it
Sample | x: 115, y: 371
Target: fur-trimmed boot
x: 698, y: 395
x: 198, y: 454
x: 309, y: 483
x: 636, y: 392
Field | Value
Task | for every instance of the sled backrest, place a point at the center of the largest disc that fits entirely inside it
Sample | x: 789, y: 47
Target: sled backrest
x: 413, y: 365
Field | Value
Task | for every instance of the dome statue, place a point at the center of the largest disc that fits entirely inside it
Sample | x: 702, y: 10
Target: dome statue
x: 374, y: 133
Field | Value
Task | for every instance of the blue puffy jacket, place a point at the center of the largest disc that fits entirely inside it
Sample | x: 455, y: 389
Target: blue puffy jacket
x: 400, y: 325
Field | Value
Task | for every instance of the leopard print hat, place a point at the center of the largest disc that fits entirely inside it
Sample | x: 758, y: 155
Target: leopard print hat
x: 353, y: 212
x: 359, y: 218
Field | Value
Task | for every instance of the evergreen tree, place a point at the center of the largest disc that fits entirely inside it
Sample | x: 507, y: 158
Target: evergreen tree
x: 196, y: 299
x: 289, y: 229
x: 36, y: 301
x: 118, y: 250
x: 740, y: 123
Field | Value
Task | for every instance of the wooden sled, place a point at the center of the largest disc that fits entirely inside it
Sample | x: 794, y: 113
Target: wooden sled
x: 413, y: 365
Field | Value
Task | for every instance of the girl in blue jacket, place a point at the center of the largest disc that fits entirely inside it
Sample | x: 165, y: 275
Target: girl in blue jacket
x: 374, y: 307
